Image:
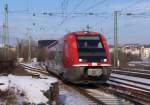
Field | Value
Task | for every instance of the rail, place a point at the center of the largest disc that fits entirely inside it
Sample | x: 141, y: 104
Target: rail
x: 137, y: 90
x: 132, y: 73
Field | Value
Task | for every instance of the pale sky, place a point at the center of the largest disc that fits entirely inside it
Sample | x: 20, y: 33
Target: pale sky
x: 28, y: 15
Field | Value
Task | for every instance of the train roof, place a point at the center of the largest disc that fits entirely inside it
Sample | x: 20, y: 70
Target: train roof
x: 55, y: 42
x: 84, y: 33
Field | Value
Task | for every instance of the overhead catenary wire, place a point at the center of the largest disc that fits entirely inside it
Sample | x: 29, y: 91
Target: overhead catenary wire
x: 131, y: 5
x: 28, y: 5
x: 72, y: 11
x: 77, y: 6
x: 91, y: 7
x: 95, y: 5
x: 64, y: 6
x: 77, y: 14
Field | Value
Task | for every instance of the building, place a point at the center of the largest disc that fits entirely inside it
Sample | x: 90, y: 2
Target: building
x: 133, y: 49
x: 145, y: 51
x: 1, y: 45
x: 139, y: 50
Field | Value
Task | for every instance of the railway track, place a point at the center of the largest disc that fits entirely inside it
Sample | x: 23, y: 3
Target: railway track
x: 131, y: 82
x: 101, y: 97
x: 34, y: 70
x: 126, y: 94
x: 132, y: 89
x: 134, y: 83
x: 116, y: 92
x: 111, y: 94
x: 133, y: 72
x: 79, y: 98
x: 136, y: 91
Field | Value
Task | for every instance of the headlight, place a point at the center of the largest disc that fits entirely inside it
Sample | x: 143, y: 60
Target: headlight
x: 80, y: 60
x: 105, y: 60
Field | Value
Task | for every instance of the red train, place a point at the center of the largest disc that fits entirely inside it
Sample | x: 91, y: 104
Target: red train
x: 80, y: 57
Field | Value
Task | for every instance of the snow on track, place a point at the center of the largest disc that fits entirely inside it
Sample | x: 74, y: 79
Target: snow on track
x: 142, y: 80
x: 135, y: 82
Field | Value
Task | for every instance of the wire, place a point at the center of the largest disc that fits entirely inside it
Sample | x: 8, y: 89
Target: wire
x: 132, y: 5
x: 77, y: 6
x: 28, y: 5
x: 66, y: 17
x: 64, y: 6
x: 91, y: 7
x: 96, y: 4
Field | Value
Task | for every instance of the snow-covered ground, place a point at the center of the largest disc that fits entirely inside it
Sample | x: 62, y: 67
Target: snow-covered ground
x: 68, y: 96
x: 33, y: 88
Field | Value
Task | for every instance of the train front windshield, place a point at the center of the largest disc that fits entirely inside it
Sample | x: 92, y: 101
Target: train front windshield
x: 90, y: 49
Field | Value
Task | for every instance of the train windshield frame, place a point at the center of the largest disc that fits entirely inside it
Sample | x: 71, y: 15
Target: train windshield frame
x: 90, y: 48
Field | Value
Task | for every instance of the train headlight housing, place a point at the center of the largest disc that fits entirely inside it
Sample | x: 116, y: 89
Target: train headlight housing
x: 80, y: 60
x: 105, y: 60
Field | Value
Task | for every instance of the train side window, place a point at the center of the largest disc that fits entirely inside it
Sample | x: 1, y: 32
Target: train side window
x: 58, y: 57
x: 100, y: 45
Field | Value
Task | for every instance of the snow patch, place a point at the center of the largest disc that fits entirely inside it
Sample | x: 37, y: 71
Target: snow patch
x: 32, y: 87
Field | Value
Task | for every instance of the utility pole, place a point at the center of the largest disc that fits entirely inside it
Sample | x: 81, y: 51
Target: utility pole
x: 101, y: 30
x: 1, y: 36
x: 17, y: 49
x: 116, y: 60
x: 88, y: 28
x: 5, y: 37
x: 116, y: 56
x: 29, y: 51
x: 29, y: 45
